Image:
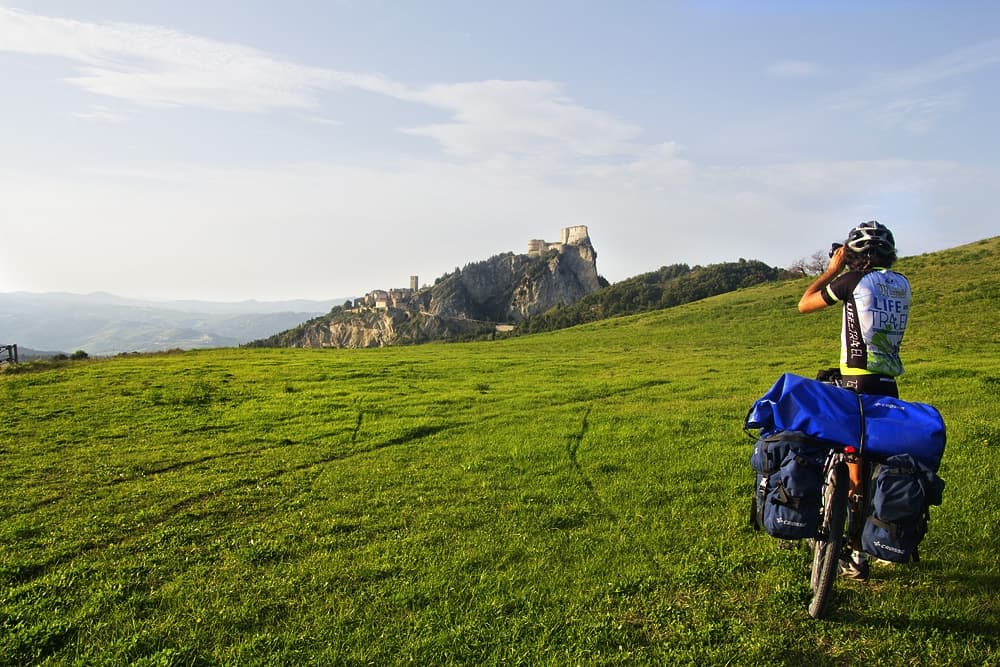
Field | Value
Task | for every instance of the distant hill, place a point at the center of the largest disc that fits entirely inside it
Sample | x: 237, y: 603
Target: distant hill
x: 472, y: 302
x: 669, y: 286
x: 28, y: 354
x: 477, y: 318
x: 104, y: 324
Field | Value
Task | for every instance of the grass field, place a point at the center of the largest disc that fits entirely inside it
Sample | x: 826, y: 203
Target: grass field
x: 578, y: 497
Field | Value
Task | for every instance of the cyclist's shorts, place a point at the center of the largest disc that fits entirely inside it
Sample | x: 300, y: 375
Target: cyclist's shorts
x: 877, y: 385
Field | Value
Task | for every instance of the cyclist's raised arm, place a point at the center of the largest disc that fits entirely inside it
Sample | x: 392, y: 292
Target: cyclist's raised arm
x: 813, y: 298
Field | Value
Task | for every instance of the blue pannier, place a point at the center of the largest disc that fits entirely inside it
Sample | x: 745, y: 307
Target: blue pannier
x: 879, y: 425
x: 903, y: 490
x: 789, y: 485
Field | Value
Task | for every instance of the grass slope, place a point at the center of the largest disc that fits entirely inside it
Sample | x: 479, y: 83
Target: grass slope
x: 571, y: 497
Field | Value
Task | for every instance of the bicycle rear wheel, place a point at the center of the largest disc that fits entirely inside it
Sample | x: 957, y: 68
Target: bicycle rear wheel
x: 829, y: 543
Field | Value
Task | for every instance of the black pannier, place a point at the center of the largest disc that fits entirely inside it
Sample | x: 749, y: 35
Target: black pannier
x: 789, y: 487
x: 902, y: 491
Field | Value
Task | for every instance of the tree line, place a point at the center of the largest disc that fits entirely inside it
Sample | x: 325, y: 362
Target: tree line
x: 667, y: 287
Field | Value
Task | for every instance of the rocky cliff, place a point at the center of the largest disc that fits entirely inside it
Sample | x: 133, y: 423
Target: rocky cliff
x: 508, y: 288
x: 378, y: 329
x: 466, y: 304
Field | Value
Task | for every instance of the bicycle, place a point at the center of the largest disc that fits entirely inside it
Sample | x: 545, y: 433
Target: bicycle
x: 835, y: 534
x: 869, y: 495
x: 840, y: 515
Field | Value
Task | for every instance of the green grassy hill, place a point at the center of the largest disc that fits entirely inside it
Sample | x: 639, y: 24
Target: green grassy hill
x: 575, y: 497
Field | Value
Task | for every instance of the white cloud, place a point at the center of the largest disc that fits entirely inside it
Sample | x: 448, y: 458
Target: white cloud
x: 835, y: 180
x: 157, y: 67
x: 102, y: 114
x: 338, y: 230
x: 520, y: 117
x: 532, y: 159
x: 322, y: 120
x: 917, y: 114
x: 913, y: 98
x: 657, y: 168
x: 794, y: 69
x: 954, y: 64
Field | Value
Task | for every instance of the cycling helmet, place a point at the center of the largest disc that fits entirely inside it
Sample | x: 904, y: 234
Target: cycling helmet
x: 871, y: 235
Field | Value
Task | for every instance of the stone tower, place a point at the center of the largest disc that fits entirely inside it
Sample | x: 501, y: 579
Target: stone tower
x: 414, y: 283
x: 575, y: 234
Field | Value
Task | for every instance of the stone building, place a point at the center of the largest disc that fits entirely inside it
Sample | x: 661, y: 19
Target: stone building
x: 575, y: 235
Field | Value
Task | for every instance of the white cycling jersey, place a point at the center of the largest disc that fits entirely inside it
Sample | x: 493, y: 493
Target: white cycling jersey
x: 876, y: 307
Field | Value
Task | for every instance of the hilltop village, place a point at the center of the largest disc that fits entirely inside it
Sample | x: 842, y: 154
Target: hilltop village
x: 399, y: 297
x: 404, y: 298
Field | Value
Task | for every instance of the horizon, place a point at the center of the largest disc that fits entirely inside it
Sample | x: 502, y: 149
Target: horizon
x: 127, y: 298
x: 265, y: 302
x: 242, y: 151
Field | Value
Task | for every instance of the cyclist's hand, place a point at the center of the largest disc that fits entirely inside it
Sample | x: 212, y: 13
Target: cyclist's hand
x: 813, y: 298
x: 837, y: 261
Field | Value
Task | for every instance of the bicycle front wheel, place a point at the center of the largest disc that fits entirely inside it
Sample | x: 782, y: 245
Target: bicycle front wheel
x: 829, y: 543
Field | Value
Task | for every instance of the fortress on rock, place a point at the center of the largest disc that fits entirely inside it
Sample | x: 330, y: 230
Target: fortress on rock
x: 403, y: 298
x: 475, y: 301
x: 576, y: 235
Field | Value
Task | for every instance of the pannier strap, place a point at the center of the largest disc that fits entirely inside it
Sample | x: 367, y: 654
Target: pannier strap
x: 803, y: 461
x: 799, y: 438
x: 781, y: 497
x: 861, y: 418
x: 757, y: 510
x: 794, y: 436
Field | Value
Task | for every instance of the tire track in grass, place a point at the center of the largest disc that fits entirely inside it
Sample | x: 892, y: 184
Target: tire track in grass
x: 572, y: 449
x: 357, y: 427
x: 501, y: 410
x: 411, y: 435
x: 180, y: 465
x: 25, y: 572
x: 573, y: 445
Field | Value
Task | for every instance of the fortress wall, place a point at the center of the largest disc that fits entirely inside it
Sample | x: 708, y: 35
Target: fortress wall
x: 568, y: 236
x: 536, y: 246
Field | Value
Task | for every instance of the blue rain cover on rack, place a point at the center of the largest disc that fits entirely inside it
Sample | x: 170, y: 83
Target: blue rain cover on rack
x: 890, y: 426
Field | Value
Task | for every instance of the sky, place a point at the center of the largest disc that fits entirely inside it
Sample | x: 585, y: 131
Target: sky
x: 250, y: 149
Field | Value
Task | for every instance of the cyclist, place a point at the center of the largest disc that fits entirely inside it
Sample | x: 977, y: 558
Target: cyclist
x: 876, y: 307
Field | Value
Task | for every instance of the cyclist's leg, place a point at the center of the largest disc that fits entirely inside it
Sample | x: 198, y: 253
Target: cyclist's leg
x: 857, y: 492
x: 877, y: 385
x: 854, y: 469
x: 855, y: 565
